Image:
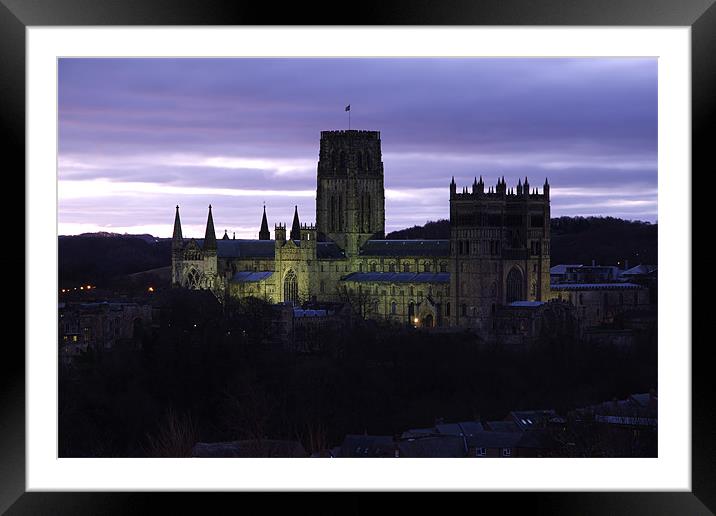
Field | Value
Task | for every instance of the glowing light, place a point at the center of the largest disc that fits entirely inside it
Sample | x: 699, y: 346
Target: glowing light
x: 415, y: 320
x: 81, y: 288
x: 150, y: 289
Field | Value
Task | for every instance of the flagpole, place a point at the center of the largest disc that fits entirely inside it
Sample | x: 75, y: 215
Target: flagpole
x: 349, y: 119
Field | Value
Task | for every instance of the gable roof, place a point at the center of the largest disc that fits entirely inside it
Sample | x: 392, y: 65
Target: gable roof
x: 399, y: 277
x: 250, y: 276
x: 639, y: 269
x: 242, y: 248
x: 406, y: 248
x: 329, y: 250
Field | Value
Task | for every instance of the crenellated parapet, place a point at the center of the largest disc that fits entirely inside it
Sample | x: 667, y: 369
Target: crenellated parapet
x: 499, y: 192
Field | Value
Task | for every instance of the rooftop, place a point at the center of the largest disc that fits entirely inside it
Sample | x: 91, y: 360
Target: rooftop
x: 250, y: 276
x: 399, y: 277
x: 241, y: 248
x: 406, y: 248
x: 526, y: 304
x: 594, y: 286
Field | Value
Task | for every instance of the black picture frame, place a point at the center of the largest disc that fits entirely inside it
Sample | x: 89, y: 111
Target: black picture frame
x: 17, y: 15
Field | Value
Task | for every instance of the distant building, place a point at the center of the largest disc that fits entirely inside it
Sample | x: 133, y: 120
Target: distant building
x: 368, y: 446
x: 99, y: 326
x: 498, y: 251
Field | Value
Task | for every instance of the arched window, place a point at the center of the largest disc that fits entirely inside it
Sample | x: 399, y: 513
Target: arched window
x: 290, y: 288
x: 406, y: 267
x: 360, y: 267
x: 343, y: 160
x: 193, y: 278
x: 443, y: 267
x: 411, y: 309
x: 391, y: 267
x: 447, y: 309
x: 427, y: 266
x: 359, y: 160
x: 514, y: 285
x: 368, y: 159
x: 393, y: 308
x: 373, y: 267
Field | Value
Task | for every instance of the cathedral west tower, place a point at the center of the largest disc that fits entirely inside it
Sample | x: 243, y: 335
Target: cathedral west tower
x: 350, y: 199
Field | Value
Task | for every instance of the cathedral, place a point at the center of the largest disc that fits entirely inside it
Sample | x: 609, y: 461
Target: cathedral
x: 497, y: 254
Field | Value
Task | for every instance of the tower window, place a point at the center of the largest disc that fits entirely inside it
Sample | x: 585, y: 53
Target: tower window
x: 406, y: 267
x: 393, y: 308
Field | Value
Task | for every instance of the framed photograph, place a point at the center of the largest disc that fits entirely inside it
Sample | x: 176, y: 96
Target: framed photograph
x: 432, y: 236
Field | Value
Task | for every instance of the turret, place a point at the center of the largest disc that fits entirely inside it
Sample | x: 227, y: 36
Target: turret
x: 280, y: 232
x: 308, y: 235
x: 296, y: 226
x: 480, y: 186
x: 264, y: 233
x: 519, y: 187
x: 226, y: 235
x: 177, y: 240
x: 474, y: 186
x: 546, y: 188
x: 453, y: 187
x: 210, y: 235
x: 526, y: 188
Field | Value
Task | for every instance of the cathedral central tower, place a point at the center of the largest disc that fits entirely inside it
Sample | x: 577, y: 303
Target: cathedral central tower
x: 350, y: 199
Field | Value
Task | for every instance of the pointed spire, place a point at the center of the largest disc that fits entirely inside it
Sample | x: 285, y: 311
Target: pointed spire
x: 210, y: 235
x: 234, y: 235
x: 453, y: 180
x: 264, y: 231
x: 177, y: 236
x: 226, y: 235
x: 296, y: 226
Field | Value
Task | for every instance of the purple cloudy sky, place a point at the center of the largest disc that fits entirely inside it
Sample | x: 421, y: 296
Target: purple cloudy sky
x: 138, y: 136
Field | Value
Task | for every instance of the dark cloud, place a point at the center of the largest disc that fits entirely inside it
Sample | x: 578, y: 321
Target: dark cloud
x: 254, y: 124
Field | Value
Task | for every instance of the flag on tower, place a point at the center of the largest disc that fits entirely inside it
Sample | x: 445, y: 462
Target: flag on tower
x: 348, y: 107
